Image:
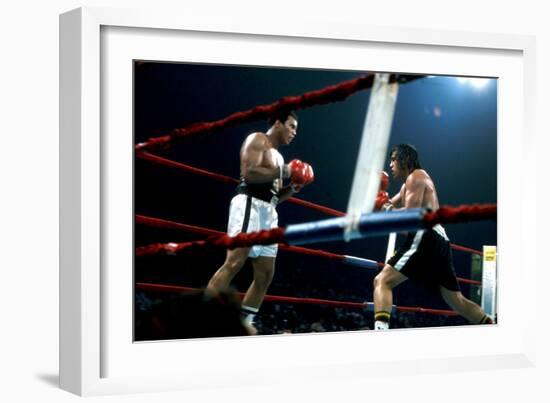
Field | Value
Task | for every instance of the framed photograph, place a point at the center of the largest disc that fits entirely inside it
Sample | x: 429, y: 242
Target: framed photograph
x: 159, y: 117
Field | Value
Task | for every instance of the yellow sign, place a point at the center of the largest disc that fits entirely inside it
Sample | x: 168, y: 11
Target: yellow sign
x: 490, y: 253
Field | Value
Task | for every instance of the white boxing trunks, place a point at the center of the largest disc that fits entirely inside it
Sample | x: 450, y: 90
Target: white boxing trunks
x: 249, y: 214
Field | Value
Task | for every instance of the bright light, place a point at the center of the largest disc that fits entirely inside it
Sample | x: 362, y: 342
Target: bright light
x: 479, y: 82
x: 474, y: 82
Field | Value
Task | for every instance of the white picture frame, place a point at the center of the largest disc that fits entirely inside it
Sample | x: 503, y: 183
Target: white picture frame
x: 85, y: 347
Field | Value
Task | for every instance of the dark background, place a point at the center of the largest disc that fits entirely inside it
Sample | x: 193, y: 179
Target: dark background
x: 452, y: 124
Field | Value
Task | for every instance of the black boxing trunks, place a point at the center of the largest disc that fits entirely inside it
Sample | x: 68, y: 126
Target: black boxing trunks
x: 426, y: 257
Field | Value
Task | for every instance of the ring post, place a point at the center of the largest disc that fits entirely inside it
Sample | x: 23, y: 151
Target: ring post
x: 372, y: 151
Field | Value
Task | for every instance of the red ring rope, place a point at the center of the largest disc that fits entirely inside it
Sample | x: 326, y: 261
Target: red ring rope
x: 296, y: 300
x: 452, y: 215
x: 333, y: 93
x: 276, y: 235
x: 465, y: 249
x: 166, y: 224
x: 226, y: 179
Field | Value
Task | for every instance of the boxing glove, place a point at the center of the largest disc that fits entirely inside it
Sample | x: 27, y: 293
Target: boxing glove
x: 301, y: 173
x: 382, y: 198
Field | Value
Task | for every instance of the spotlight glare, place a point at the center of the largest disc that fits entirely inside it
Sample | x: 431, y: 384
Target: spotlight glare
x: 478, y: 82
x: 474, y: 82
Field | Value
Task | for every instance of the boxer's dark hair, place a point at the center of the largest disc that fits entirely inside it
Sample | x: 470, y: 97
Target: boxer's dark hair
x: 281, y: 116
x: 406, y: 155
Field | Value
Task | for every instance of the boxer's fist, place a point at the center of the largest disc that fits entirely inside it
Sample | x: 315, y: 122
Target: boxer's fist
x: 382, y: 199
x: 300, y: 173
x: 384, y: 181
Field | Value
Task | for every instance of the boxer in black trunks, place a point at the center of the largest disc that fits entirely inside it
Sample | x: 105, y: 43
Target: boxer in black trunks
x: 425, y: 256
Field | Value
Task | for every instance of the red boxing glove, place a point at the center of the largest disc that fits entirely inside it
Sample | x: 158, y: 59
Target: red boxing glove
x: 381, y: 198
x: 301, y: 173
x: 384, y: 181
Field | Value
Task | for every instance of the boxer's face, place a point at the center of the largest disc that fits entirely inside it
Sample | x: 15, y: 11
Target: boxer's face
x: 289, y: 130
x: 397, y: 170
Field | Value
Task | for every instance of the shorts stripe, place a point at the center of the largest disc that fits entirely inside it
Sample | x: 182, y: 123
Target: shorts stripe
x: 406, y: 256
x: 246, y: 219
x: 441, y: 231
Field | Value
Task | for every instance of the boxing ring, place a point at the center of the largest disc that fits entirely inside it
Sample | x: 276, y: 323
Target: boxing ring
x: 292, y: 236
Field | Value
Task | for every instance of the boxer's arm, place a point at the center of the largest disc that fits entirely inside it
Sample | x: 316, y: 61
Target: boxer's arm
x: 252, y: 154
x: 396, y: 200
x: 415, y: 186
x: 286, y: 193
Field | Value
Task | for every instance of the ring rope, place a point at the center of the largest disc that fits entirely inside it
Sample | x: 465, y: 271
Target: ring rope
x: 309, y: 301
x: 473, y: 212
x: 349, y: 260
x: 333, y: 93
x: 166, y: 224
x: 226, y: 179
x: 174, y: 164
x: 332, y: 229
x: 465, y: 249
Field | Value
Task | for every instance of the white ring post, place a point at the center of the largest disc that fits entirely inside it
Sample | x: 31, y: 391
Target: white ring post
x: 372, y: 152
